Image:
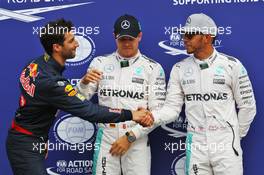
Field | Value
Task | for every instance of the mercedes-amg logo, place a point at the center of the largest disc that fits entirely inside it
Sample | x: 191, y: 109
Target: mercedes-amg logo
x: 125, y: 24
x: 188, y: 72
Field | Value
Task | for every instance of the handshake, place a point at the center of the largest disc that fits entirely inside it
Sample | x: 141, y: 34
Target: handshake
x: 143, y: 117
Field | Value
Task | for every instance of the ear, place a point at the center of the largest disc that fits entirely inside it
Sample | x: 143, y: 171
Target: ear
x: 56, y: 47
x: 114, y: 35
x: 208, y: 39
x: 139, y: 36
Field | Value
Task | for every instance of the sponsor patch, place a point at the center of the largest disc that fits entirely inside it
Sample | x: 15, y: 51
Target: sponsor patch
x: 185, y: 82
x: 231, y: 59
x: 246, y: 86
x: 61, y: 83
x: 195, y: 169
x: 115, y: 110
x: 219, y: 81
x: 109, y: 68
x: 68, y: 88
x: 46, y: 57
x: 33, y: 71
x: 22, y: 101
x: 160, y: 93
x: 138, y: 71
x: 243, y: 98
x: 219, y: 70
x: 248, y: 91
x: 137, y: 80
x: 108, y: 77
x: 244, y: 76
x: 103, y: 166
x: 124, y: 126
x: 25, y: 82
x: 160, y: 83
x: 80, y: 96
x: 206, y: 97
x: 121, y: 93
x: 204, y: 66
x: 188, y: 72
x: 72, y: 93
x: 243, y: 81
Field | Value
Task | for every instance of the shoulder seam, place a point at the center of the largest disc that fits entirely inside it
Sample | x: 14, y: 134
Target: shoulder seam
x: 228, y: 57
x: 149, y: 59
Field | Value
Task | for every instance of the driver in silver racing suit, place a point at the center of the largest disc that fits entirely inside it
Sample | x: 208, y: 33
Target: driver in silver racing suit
x: 211, y: 90
x: 128, y: 83
x: 129, y: 88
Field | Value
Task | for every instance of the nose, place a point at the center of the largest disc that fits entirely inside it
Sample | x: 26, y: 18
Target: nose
x: 76, y: 43
x: 126, y: 42
x: 185, y: 39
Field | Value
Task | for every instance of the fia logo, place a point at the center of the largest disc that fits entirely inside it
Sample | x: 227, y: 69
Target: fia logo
x: 178, y: 127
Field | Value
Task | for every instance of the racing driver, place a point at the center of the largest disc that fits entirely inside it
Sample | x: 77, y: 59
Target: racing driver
x: 219, y: 101
x: 126, y: 79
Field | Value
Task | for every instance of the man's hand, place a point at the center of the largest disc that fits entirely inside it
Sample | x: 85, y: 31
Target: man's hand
x: 143, y: 117
x: 148, y: 120
x: 92, y: 76
x: 120, y: 146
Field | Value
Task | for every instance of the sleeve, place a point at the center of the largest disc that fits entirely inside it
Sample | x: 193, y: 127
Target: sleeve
x: 156, y: 97
x: 88, y: 90
x: 244, y: 97
x: 174, y: 100
x: 60, y: 94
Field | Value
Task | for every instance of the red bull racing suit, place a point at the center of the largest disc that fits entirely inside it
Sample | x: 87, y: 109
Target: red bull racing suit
x: 43, y: 91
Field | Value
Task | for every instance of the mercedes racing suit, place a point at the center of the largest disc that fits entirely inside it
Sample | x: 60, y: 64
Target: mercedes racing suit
x: 139, y: 82
x: 211, y: 91
x: 43, y: 91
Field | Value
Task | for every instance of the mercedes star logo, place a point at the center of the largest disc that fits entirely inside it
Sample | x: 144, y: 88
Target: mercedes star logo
x: 188, y: 72
x: 125, y: 24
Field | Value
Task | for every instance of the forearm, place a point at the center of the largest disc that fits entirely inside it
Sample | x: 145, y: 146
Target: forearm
x: 140, y: 131
x: 245, y: 118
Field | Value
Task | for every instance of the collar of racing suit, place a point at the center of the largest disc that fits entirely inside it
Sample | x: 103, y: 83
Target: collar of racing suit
x: 209, y: 61
x: 131, y: 60
x: 54, y: 64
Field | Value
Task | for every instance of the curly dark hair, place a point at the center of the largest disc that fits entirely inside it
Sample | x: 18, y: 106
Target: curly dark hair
x: 53, y: 33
